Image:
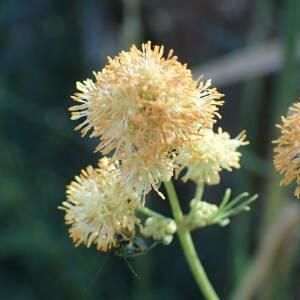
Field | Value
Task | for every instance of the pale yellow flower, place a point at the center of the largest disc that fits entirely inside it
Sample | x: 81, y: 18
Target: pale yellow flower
x: 140, y: 173
x: 98, y: 209
x: 287, y: 157
x: 208, y: 154
x: 143, y: 102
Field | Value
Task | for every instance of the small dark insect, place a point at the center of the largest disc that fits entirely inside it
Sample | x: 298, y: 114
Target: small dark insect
x: 131, y: 247
x: 126, y: 248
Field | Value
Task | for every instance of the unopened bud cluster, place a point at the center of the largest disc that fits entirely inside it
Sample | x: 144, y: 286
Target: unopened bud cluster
x: 160, y: 229
x: 201, y: 214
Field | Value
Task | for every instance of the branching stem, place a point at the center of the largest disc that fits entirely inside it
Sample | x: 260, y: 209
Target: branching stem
x: 188, y: 246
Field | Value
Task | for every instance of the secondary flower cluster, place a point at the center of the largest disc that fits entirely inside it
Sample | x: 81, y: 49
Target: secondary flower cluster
x: 208, y: 153
x: 287, y: 157
x: 153, y: 117
x: 98, y: 208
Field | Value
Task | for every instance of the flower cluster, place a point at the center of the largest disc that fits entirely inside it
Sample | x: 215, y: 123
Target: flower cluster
x: 153, y: 117
x: 97, y: 208
x: 141, y: 173
x: 208, y: 153
x: 142, y: 106
x: 287, y: 157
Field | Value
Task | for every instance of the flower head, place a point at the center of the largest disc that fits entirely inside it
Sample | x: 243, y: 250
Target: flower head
x: 140, y: 173
x: 208, y: 154
x: 143, y: 102
x: 97, y: 208
x: 287, y: 157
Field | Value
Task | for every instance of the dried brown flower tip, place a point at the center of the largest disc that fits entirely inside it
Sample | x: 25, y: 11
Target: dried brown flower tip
x: 287, y: 157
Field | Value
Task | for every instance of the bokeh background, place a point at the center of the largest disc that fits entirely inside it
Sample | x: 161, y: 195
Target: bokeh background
x: 250, y: 49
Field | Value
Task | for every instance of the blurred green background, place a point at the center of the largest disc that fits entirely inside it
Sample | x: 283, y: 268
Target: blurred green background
x: 250, y: 49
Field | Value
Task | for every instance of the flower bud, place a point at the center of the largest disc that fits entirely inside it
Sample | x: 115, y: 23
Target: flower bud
x: 167, y: 239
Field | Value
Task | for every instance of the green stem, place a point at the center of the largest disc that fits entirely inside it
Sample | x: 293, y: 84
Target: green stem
x: 188, y: 246
x: 149, y: 212
x: 199, y: 192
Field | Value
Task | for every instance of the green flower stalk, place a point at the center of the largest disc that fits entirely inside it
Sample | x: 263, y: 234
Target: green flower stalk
x: 188, y: 246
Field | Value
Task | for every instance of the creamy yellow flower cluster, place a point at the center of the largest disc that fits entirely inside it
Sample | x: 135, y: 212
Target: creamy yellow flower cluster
x: 149, y: 112
x: 98, y: 208
x: 207, y: 154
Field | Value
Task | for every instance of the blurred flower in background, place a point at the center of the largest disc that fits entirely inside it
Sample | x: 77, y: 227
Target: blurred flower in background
x: 287, y: 157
